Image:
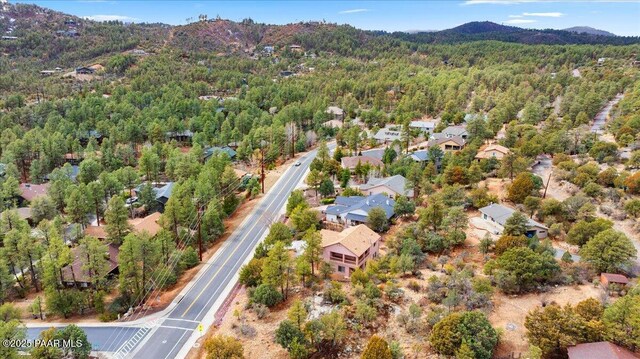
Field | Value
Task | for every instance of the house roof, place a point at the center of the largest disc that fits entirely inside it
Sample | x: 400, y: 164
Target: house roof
x: 30, y: 191
x: 333, y: 124
x: 82, y: 275
x: 615, y: 278
x: 226, y: 149
x: 397, y: 183
x: 148, y: 224
x: 376, y: 153
x: 455, y: 131
x: 459, y: 141
x: 600, y: 350
x: 483, y: 152
x: 185, y: 133
x: 73, y: 174
x: 162, y: 193
x: 420, y: 156
x: 387, y: 134
x: 99, y: 232
x: 423, y: 124
x: 335, y: 110
x: 356, y: 239
x: 360, y: 206
x: 501, y: 213
x: 352, y: 162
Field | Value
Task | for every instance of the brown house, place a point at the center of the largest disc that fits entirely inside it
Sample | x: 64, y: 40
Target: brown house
x: 74, y: 274
x: 351, y: 162
x: 148, y: 224
x: 600, y: 350
x: 29, y: 191
x: 609, y: 278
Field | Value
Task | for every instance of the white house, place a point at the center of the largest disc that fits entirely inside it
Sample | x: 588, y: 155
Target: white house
x: 498, y: 215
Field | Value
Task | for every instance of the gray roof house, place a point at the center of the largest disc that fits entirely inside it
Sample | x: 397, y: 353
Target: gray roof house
x: 393, y: 186
x: 376, y: 153
x: 162, y: 193
x: 453, y: 131
x: 354, y: 210
x: 387, y: 134
x: 424, y: 126
x: 420, y: 155
x: 498, y: 214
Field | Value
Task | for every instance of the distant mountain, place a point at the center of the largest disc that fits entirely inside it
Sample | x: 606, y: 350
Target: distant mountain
x: 589, y: 30
x: 486, y: 30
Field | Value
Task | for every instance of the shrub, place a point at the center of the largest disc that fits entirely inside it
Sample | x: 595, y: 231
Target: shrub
x: 377, y: 348
x: 190, y: 258
x: 261, y: 310
x: 225, y: 347
x: 267, y: 295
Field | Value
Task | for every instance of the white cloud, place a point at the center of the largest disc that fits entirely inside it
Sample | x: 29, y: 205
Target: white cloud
x: 497, y: 2
x: 512, y: 2
x: 515, y: 16
x: 520, y: 21
x: 353, y: 11
x: 543, y: 14
x: 111, y: 18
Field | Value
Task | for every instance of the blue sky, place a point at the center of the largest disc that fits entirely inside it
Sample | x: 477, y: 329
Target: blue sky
x: 618, y: 16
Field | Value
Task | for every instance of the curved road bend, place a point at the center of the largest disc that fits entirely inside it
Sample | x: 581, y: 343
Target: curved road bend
x: 167, y: 339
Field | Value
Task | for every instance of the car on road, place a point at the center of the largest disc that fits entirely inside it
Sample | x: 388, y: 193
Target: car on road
x: 297, y: 164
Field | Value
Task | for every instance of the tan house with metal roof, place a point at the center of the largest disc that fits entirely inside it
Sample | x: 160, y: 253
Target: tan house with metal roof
x: 350, y: 249
x: 492, y: 151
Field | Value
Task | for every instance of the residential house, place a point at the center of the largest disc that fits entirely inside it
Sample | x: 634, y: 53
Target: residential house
x: 84, y: 70
x: 286, y: 73
x: 376, y: 153
x: 393, y: 187
x: 420, y: 156
x: 268, y: 50
x: 498, y: 214
x: 149, y: 225
x: 492, y: 151
x: 332, y: 124
x: 72, y: 174
x: 610, y: 278
x: 47, y: 72
x: 180, y: 136
x: 163, y: 193
x: 207, y: 153
x: 9, y: 37
x: 354, y: 210
x: 336, y: 112
x: 295, y: 48
x: 3, y: 169
x: 29, y: 191
x: 352, y: 161
x: 388, y: 134
x: 472, y: 116
x: 600, y: 350
x: 75, y: 274
x: 448, y: 144
x: 423, y: 126
x: 455, y: 131
x: 350, y: 249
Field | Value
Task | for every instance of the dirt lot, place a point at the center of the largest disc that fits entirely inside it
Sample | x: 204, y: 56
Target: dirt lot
x: 509, y: 312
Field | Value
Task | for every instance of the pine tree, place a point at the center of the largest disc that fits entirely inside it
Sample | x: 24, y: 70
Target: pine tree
x: 117, y: 218
x: 313, y: 248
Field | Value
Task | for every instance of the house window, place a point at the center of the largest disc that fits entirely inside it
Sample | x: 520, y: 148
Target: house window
x: 341, y: 269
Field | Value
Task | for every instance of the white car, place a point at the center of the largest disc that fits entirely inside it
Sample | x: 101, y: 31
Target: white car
x: 131, y: 200
x: 297, y: 164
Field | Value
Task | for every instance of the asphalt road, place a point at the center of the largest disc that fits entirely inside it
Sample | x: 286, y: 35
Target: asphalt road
x: 174, y: 330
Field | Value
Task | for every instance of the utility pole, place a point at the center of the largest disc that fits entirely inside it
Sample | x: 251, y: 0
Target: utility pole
x: 262, y: 176
x: 293, y: 139
x: 544, y: 195
x: 199, y: 231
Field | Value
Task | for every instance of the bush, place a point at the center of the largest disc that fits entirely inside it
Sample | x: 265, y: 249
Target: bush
x: 190, y: 258
x: 327, y: 200
x: 470, y: 328
x: 261, y: 310
x: 377, y: 348
x: 226, y: 347
x: 334, y: 293
x: 267, y: 295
